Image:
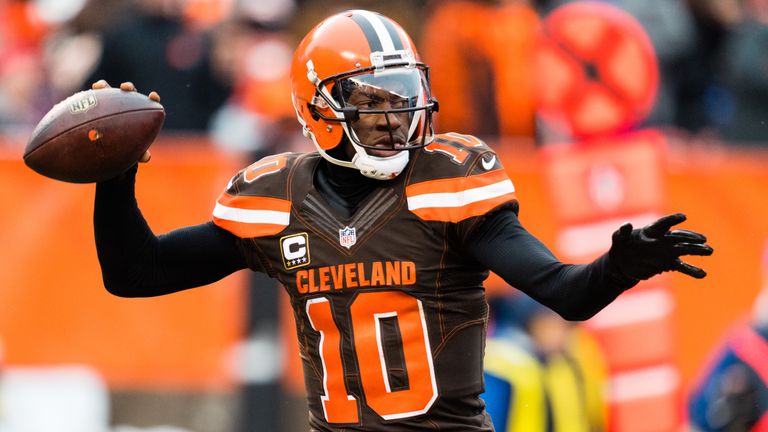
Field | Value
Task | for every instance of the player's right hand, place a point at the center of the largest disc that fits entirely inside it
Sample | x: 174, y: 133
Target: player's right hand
x: 128, y: 86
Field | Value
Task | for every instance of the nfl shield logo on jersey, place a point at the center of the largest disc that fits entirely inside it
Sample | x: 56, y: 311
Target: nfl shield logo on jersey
x: 347, y: 237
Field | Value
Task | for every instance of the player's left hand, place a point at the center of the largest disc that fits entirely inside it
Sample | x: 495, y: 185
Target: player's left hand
x: 644, y: 252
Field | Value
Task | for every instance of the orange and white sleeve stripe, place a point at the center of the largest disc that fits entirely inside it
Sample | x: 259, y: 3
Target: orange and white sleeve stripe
x: 251, y: 216
x: 456, y: 199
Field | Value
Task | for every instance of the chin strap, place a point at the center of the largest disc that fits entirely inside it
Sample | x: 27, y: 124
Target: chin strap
x: 375, y: 167
x: 379, y: 168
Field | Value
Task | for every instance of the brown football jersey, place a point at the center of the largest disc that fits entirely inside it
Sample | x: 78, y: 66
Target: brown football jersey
x: 390, y: 312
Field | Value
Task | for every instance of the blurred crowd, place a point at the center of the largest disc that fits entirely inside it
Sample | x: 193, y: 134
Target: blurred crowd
x: 221, y: 66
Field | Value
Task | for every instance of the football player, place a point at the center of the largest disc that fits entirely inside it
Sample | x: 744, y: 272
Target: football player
x: 382, y: 238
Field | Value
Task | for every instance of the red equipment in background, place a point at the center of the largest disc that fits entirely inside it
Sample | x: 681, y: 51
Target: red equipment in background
x: 596, y: 69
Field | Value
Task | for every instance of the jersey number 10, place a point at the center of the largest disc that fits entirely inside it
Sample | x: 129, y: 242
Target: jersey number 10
x: 367, y: 311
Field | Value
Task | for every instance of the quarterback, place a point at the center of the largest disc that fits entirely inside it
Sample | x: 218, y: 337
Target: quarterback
x: 382, y: 238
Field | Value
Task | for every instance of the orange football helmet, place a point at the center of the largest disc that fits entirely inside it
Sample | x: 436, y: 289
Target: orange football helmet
x: 362, y: 52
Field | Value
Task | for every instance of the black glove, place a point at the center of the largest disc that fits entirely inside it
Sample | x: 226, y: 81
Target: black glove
x: 645, y: 252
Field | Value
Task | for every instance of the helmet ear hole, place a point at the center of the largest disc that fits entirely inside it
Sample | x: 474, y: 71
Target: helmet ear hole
x: 313, y: 112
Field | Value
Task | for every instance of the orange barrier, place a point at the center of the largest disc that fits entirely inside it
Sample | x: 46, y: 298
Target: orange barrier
x: 724, y: 195
x: 53, y: 308
x: 723, y: 192
x: 595, y: 186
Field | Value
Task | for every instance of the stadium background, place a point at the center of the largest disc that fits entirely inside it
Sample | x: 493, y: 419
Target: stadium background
x: 222, y: 357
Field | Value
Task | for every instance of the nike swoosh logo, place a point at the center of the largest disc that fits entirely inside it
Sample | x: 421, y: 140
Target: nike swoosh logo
x: 488, y: 164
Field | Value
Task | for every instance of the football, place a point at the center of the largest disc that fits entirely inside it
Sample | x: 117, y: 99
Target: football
x: 94, y: 135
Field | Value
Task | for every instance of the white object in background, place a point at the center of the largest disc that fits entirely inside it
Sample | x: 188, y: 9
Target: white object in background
x: 54, y: 399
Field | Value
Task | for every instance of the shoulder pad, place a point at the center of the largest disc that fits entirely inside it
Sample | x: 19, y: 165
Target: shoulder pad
x: 457, y: 177
x: 453, y: 154
x: 265, y: 177
x: 256, y: 201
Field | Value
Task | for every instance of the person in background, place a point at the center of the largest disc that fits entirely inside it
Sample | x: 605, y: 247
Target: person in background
x: 732, y: 393
x: 743, y: 77
x: 24, y: 92
x: 701, y: 102
x: 154, y: 47
x: 481, y: 53
x: 258, y: 118
x: 542, y: 373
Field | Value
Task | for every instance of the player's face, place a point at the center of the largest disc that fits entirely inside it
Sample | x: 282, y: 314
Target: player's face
x: 388, y: 131
x: 390, y: 108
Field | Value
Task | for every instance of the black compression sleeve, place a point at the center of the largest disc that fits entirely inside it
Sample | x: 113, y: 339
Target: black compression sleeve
x: 136, y: 263
x: 576, y: 292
